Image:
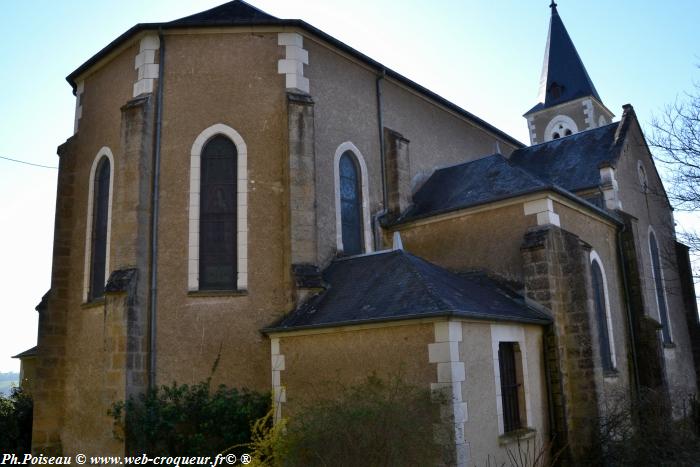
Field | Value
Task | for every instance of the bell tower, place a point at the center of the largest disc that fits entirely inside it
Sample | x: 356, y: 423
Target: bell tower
x: 567, y: 102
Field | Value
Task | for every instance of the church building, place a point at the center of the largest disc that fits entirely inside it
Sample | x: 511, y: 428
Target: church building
x: 250, y: 189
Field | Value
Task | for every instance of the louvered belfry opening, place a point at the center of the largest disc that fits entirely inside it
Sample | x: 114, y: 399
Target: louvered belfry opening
x: 217, y: 222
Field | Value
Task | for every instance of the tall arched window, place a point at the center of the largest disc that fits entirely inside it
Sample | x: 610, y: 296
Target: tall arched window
x: 98, y: 262
x: 658, y: 277
x: 217, y: 221
x: 353, y: 232
x: 218, y: 211
x: 601, y: 303
x: 350, y: 204
x: 97, y: 229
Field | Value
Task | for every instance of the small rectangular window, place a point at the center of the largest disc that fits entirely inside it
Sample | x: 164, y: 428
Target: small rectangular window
x: 512, y: 394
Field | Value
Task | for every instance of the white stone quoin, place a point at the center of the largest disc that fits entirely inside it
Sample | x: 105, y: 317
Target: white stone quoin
x: 292, y: 65
x: 145, y: 64
x: 450, y: 375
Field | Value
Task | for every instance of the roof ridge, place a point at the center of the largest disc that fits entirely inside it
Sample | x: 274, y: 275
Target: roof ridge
x: 563, y: 138
x: 408, y: 258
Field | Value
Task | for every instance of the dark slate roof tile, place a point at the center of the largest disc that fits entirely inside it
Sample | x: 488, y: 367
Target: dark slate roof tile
x: 469, y: 184
x: 396, y: 285
x: 571, y: 162
x: 229, y: 13
x: 33, y: 352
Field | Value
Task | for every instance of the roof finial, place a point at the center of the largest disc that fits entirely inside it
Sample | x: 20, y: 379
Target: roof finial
x: 553, y: 6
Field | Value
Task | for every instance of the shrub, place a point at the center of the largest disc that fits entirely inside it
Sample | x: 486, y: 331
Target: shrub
x: 378, y: 422
x: 643, y: 433
x: 16, y: 412
x: 188, y: 420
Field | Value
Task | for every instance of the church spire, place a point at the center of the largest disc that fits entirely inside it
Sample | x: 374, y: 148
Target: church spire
x: 564, y: 77
x: 568, y: 102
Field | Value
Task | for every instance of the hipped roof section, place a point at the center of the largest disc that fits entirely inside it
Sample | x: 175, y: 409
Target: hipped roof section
x: 396, y: 285
x: 240, y: 13
x: 564, y: 166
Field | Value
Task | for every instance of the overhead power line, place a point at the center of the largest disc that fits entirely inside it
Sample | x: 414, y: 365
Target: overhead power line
x: 28, y: 163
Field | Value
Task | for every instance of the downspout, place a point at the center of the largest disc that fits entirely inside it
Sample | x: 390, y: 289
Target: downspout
x: 380, y: 124
x: 630, y: 321
x: 155, y: 205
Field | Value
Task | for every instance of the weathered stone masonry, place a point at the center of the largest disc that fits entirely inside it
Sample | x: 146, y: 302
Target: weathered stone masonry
x: 556, y: 274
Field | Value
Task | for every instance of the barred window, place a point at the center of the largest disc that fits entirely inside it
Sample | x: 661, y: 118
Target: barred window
x: 217, y: 222
x: 511, y: 385
x: 100, y: 217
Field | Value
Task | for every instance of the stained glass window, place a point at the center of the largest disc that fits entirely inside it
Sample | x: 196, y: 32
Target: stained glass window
x: 601, y: 315
x: 217, y: 221
x: 350, y: 205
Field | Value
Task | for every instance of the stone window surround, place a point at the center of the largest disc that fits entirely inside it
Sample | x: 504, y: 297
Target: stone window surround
x: 595, y: 258
x: 367, y: 229
x: 509, y: 333
x: 567, y: 122
x: 242, y: 205
x: 651, y: 232
x: 103, y: 152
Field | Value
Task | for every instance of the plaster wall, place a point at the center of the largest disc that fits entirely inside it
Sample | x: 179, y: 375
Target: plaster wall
x: 86, y: 425
x: 228, y: 78
x: 317, y: 366
x: 345, y: 96
x: 488, y: 240
x: 479, y: 391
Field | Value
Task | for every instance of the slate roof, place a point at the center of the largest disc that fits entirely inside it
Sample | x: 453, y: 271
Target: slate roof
x: 471, y: 183
x: 572, y: 162
x: 564, y: 166
x: 562, y: 65
x: 33, y: 352
x: 396, y: 285
x: 240, y: 13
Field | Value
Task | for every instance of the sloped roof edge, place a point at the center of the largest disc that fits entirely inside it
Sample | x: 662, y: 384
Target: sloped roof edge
x: 141, y: 27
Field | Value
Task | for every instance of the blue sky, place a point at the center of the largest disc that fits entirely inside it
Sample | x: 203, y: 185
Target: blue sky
x: 483, y: 55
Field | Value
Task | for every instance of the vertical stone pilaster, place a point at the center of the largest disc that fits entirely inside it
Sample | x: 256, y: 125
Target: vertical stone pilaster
x: 557, y: 275
x: 125, y: 340
x: 49, y: 387
x: 648, y: 346
x: 398, y: 178
x: 685, y: 272
x: 302, y: 185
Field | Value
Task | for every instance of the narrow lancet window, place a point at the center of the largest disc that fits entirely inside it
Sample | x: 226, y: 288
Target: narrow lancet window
x: 601, y: 313
x: 659, y: 288
x: 350, y: 205
x: 100, y: 219
x: 217, y: 238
